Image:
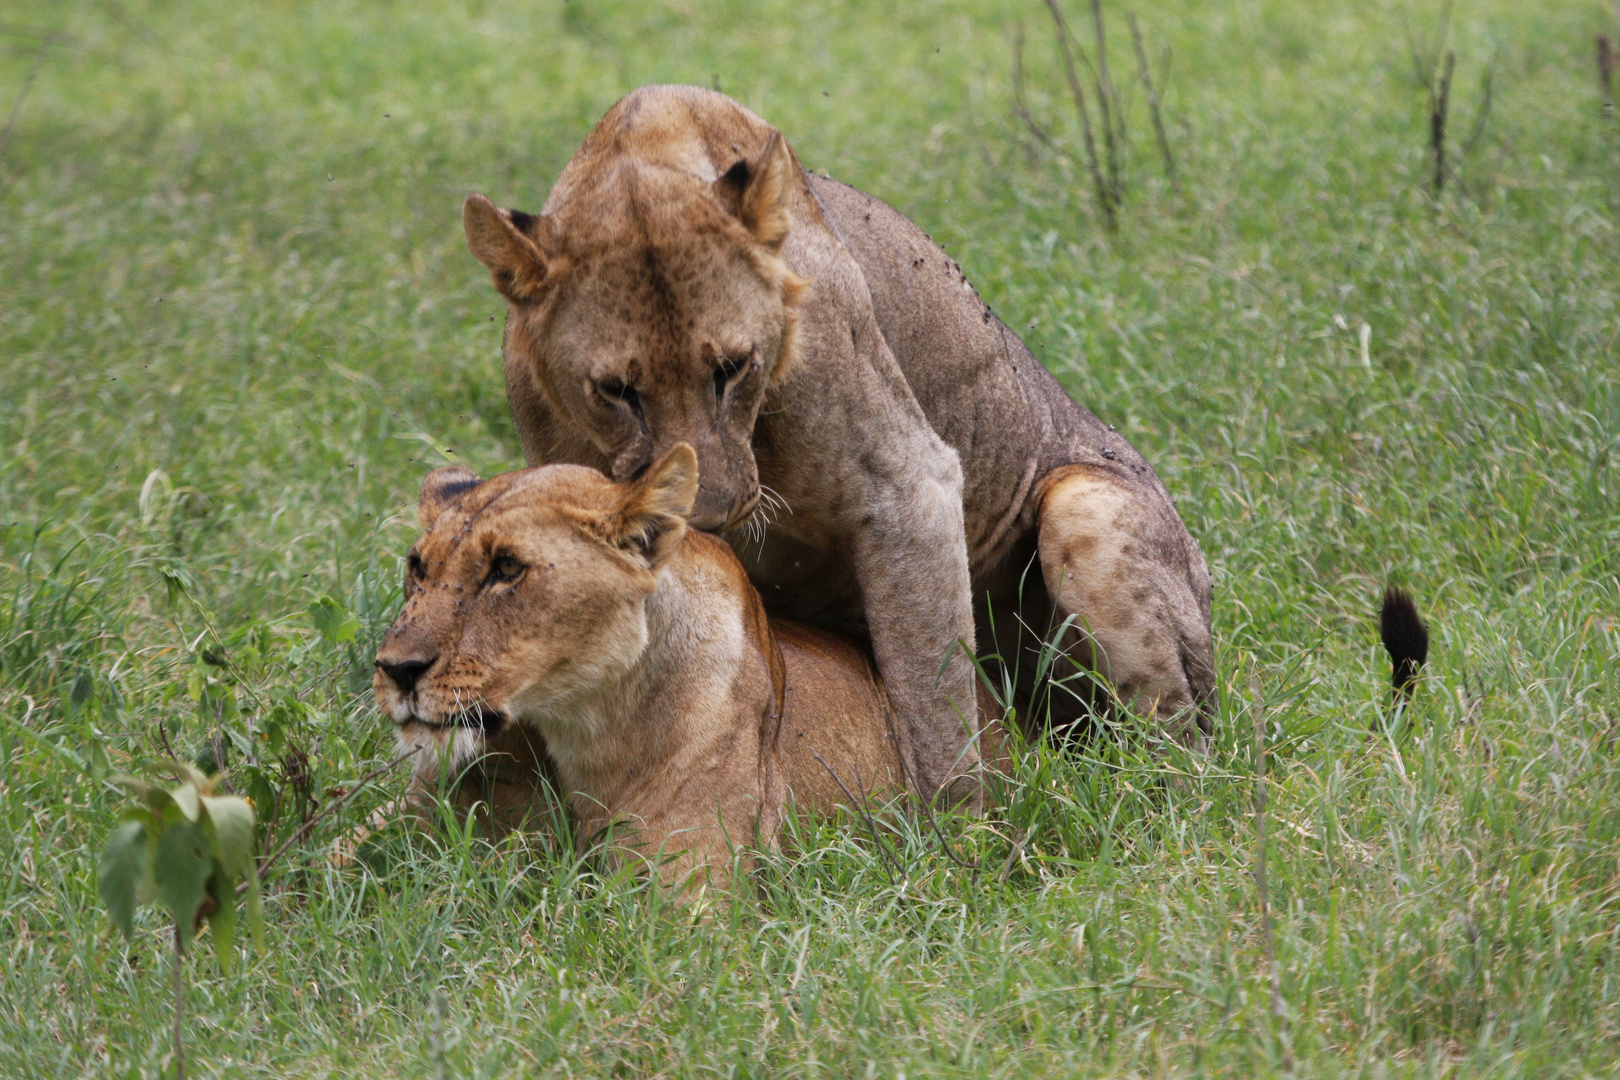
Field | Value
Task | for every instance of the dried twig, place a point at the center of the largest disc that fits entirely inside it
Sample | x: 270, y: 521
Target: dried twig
x: 859, y: 806
x: 38, y: 33
x: 22, y: 95
x: 330, y: 808
x: 179, y: 1004
x: 1021, y: 104
x: 1608, y: 60
x: 1260, y: 783
x: 928, y: 811
x: 1153, y: 104
x: 1012, y: 856
x: 163, y: 737
x: 1439, y: 102
x: 1483, y: 113
x: 1107, y: 102
x: 1066, y: 45
x: 1425, y: 62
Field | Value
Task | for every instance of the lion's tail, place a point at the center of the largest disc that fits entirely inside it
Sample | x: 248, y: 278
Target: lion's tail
x: 1406, y: 637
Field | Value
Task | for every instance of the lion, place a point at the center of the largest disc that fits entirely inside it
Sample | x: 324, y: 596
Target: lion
x: 880, y: 449
x: 553, y: 606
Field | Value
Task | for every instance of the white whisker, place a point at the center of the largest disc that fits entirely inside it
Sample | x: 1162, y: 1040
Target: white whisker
x: 779, y: 505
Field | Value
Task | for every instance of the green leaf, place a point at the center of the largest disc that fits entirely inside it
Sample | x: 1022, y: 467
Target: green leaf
x: 222, y: 920
x: 186, y: 800
x: 263, y: 794
x: 194, y: 776
x: 230, y: 818
x: 118, y: 877
x: 135, y: 787
x: 196, y: 681
x: 334, y: 621
x: 158, y: 799
x: 81, y: 690
x: 98, y: 763
x: 181, y: 867
x: 176, y: 578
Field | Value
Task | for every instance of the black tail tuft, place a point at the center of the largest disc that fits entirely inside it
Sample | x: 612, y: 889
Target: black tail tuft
x: 1405, y: 636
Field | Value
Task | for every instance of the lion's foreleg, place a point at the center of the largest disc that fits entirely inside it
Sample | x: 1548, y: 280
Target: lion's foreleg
x: 912, y: 564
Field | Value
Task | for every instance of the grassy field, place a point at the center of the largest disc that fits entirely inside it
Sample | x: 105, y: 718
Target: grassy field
x: 238, y: 321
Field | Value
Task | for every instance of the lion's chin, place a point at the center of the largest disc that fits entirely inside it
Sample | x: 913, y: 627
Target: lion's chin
x: 738, y: 517
x: 443, y: 748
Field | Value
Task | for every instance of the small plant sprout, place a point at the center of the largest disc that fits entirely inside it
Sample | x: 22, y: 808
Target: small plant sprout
x: 184, y: 848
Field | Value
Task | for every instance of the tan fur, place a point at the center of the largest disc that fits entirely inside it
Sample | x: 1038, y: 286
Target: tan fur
x: 670, y: 709
x: 907, y: 435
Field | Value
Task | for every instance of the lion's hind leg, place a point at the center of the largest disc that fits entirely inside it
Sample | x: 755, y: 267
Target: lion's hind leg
x: 1116, y: 557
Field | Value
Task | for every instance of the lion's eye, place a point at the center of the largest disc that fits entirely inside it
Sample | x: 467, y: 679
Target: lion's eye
x: 505, y: 568
x: 730, y: 371
x: 616, y: 392
x: 414, y: 571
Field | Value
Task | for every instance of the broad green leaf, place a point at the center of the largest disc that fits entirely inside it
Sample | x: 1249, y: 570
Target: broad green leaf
x: 231, y: 819
x: 181, y: 866
x: 196, y: 681
x: 176, y: 578
x: 185, y: 799
x: 99, y: 765
x: 334, y: 621
x: 81, y: 690
x: 161, y: 802
x: 263, y: 794
x: 137, y: 788
x: 194, y: 776
x: 222, y: 920
x: 118, y: 876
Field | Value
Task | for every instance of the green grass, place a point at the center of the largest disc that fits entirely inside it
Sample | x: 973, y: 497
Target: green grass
x: 230, y: 254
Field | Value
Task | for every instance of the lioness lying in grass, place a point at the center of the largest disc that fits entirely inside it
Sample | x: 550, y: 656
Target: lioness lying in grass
x: 556, y: 601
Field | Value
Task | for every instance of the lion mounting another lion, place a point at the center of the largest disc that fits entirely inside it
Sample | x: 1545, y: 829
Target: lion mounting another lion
x: 878, y: 447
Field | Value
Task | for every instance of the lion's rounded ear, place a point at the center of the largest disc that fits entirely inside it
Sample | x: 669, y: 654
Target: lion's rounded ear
x: 441, y: 489
x: 652, y: 520
x: 757, y: 190
x: 504, y: 241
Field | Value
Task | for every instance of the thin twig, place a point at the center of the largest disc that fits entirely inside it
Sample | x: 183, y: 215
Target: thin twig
x: 33, y: 32
x: 116, y: 10
x: 858, y: 805
x: 1260, y: 783
x: 928, y: 810
x: 1020, y: 104
x: 22, y: 95
x: 1067, y: 47
x: 224, y: 651
x: 332, y: 807
x: 1106, y: 105
x: 1483, y: 113
x: 1012, y: 856
x: 866, y: 804
x: 1438, y: 106
x: 1153, y: 104
x: 1607, y: 62
x: 179, y: 1003
x: 163, y: 737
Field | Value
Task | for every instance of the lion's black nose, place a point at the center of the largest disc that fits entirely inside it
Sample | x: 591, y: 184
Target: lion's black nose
x: 404, y: 673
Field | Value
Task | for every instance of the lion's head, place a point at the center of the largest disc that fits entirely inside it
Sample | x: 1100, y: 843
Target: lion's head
x: 525, y: 593
x: 649, y: 305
